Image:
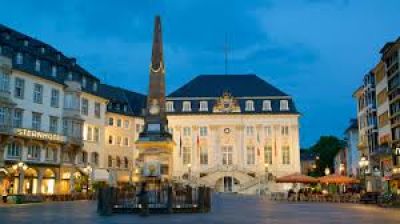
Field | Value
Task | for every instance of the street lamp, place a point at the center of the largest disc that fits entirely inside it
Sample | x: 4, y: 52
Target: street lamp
x: 20, y: 167
x: 363, y: 166
x: 89, y: 172
x: 327, y: 171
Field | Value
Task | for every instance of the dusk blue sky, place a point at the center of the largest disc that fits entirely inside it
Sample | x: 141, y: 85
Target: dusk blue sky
x: 315, y: 50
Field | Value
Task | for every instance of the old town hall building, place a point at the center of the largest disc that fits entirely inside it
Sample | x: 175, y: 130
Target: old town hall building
x: 62, y: 129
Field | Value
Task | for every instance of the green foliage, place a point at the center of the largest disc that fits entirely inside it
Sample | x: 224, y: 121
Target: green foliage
x: 326, y: 147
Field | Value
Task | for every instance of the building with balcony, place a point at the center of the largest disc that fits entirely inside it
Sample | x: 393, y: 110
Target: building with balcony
x: 47, y: 104
x: 367, y: 124
x: 390, y: 59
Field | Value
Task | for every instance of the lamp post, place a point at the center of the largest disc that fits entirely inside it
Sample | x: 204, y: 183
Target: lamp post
x: 89, y: 171
x: 327, y: 171
x: 364, y: 166
x: 20, y: 168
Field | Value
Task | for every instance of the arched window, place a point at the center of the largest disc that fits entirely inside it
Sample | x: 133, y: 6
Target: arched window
x: 186, y: 106
x: 249, y: 105
x: 110, y: 161
x: 169, y: 106
x: 267, y: 105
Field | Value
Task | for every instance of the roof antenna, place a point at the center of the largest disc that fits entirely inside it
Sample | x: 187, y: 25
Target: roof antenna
x: 226, y: 51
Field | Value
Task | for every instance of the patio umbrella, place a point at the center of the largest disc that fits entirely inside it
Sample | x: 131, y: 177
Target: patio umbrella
x: 296, y: 178
x: 337, y: 179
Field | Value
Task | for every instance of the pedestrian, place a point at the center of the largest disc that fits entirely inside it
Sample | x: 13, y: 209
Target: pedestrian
x: 144, y: 200
x: 5, y: 195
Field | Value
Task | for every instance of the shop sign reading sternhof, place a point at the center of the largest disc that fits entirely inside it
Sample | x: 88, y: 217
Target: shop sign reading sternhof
x: 39, y: 135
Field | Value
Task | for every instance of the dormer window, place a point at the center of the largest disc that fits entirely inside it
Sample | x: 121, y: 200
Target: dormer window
x: 249, y: 105
x: 125, y: 108
x: 1, y: 50
x: 37, y: 65
x: 7, y: 36
x: 187, y: 106
x: 95, y: 86
x: 267, y: 105
x: 70, y: 76
x: 20, y: 58
x: 54, y: 71
x: 169, y: 106
x: 284, y: 105
x: 59, y: 56
x: 203, y: 106
x: 84, y: 82
x: 26, y: 43
x: 43, y: 50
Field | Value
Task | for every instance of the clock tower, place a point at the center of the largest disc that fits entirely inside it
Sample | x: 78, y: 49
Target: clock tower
x: 155, y: 143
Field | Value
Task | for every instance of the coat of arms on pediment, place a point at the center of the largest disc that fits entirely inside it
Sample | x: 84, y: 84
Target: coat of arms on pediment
x: 226, y: 104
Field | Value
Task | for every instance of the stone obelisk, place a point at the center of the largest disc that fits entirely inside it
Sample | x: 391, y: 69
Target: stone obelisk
x: 155, y: 143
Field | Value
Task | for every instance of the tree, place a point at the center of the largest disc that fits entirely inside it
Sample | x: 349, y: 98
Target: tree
x: 326, y: 148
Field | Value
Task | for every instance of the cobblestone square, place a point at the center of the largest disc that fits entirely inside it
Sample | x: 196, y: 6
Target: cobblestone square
x: 226, y: 209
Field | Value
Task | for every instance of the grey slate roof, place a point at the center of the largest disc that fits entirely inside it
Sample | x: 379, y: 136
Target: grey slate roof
x: 12, y: 42
x: 118, y: 98
x: 248, y: 85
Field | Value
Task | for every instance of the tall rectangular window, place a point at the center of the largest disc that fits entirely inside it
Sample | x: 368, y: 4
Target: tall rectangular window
x: 85, y: 106
x: 119, y: 140
x: 251, y: 155
x: 126, y: 141
x: 19, y: 59
x: 268, y: 131
x: 17, y: 122
x: 119, y: 122
x: 37, y: 93
x: 36, y: 121
x: 285, y: 155
x: 250, y: 130
x: 187, y: 131
x: 97, y: 109
x: 285, y: 130
x: 227, y: 155
x: 55, y: 98
x: 54, y: 71
x: 53, y: 124
x: 203, y: 155
x: 203, y: 131
x: 110, y: 139
x: 4, y: 82
x: 96, y: 136
x: 268, y: 154
x: 89, y: 134
x: 186, y: 155
x: 33, y: 152
x: 126, y: 124
x: 111, y: 121
x: 37, y: 65
x: 19, y: 88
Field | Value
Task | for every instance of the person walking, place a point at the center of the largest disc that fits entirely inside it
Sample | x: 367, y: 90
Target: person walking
x: 144, y: 200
